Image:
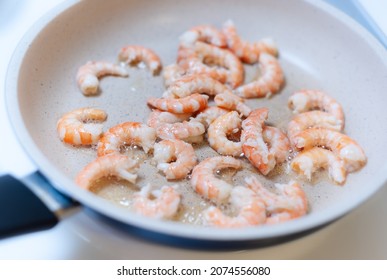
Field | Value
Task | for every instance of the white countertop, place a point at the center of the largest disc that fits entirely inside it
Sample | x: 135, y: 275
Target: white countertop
x: 359, y: 235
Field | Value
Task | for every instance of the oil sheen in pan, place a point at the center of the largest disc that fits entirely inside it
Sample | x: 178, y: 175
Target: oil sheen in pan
x: 192, y: 204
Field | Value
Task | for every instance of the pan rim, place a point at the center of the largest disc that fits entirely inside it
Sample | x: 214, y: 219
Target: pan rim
x: 67, y: 186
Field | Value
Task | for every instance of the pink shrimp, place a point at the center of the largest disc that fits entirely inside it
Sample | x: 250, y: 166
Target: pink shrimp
x: 88, y: 75
x: 158, y: 204
x: 205, y: 183
x: 311, y: 160
x: 172, y: 73
x: 134, y: 54
x: 175, y: 158
x: 317, y: 119
x: 157, y: 118
x: 231, y: 101
x: 193, y: 103
x: 277, y: 141
x: 306, y: 100
x: 190, y: 131
x: 127, y: 133
x: 105, y: 166
x: 251, y: 210
x: 253, y: 145
x: 211, y: 113
x: 205, y: 33
x: 196, y: 83
x: 268, y: 83
x: 289, y: 202
x: 246, y: 51
x: 175, y: 126
x: 218, y: 131
x: 198, y: 57
x: 79, y: 127
x: 340, y: 144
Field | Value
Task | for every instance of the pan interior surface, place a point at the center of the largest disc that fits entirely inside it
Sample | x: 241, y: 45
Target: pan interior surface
x: 318, y: 49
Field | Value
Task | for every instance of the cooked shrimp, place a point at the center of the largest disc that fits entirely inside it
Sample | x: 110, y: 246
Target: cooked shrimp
x: 193, y: 103
x: 251, y: 210
x: 340, y: 144
x: 172, y: 73
x: 311, y: 160
x: 270, y: 81
x: 175, y: 158
x: 79, y: 127
x: 188, y: 131
x: 253, y: 145
x: 310, y: 119
x: 158, y: 204
x: 157, y: 118
x: 246, y: 51
x: 289, y: 202
x: 196, y: 83
x: 218, y: 131
x: 105, y: 166
x: 88, y: 75
x: 127, y: 133
x: 306, y: 100
x: 278, y: 142
x: 134, y: 54
x: 208, y: 115
x: 196, y: 59
x: 191, y: 63
x: 205, y: 33
x: 231, y: 101
x: 205, y: 183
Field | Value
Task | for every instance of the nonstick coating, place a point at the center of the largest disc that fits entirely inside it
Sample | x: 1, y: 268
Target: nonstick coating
x: 319, y: 47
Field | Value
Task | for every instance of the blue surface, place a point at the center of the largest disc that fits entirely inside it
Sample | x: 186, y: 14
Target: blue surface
x: 354, y: 9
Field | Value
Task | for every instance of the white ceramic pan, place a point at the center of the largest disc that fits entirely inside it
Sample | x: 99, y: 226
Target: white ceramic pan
x: 319, y: 48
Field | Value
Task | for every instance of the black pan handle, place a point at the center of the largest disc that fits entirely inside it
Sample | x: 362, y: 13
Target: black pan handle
x: 22, y: 210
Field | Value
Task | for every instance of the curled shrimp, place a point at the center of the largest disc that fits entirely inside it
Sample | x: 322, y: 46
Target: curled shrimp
x: 205, y: 183
x: 253, y: 144
x: 193, y: 103
x: 196, y: 59
x: 190, y: 63
x: 246, y: 51
x: 270, y: 81
x: 78, y: 127
x: 175, y: 158
x: 205, y: 33
x: 190, y: 131
x: 196, y: 83
x: 134, y: 54
x: 199, y: 83
x: 340, y: 144
x: 157, y: 118
x: 208, y: 115
x: 127, y: 133
x: 311, y: 160
x: 159, y: 204
x: 231, y: 101
x: 175, y: 126
x: 306, y: 100
x: 218, y: 131
x: 287, y: 203
x: 105, y: 166
x: 317, y: 119
x: 88, y: 75
x: 277, y: 141
x: 172, y: 73
x: 251, y: 210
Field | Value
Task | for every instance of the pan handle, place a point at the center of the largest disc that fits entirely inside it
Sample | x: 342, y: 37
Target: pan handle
x: 30, y: 204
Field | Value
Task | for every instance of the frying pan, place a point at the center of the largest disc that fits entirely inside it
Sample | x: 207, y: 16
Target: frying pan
x: 320, y: 48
